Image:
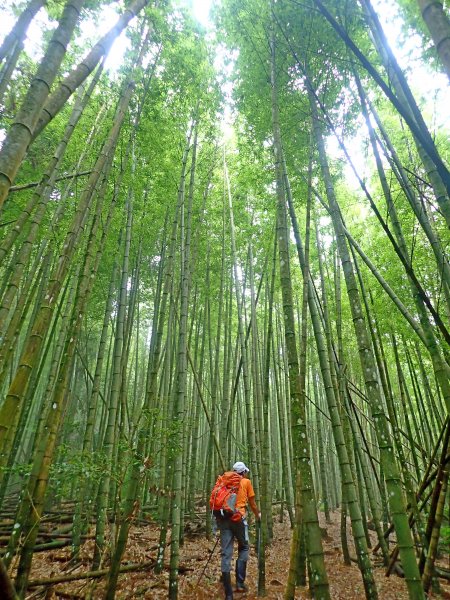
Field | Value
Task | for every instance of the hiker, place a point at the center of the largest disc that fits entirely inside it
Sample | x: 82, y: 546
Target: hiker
x: 232, y: 523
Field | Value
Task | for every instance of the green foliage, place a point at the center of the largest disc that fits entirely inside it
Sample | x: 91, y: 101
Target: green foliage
x: 444, y: 539
x: 72, y: 466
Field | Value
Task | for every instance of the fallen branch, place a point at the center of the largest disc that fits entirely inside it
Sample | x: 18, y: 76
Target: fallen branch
x: 52, y: 545
x: 62, y: 536
x: 89, y: 574
x: 442, y: 573
x: 47, y: 546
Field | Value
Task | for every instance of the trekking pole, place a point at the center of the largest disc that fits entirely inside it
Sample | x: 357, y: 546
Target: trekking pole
x: 207, y: 563
x: 258, y: 540
x: 261, y: 562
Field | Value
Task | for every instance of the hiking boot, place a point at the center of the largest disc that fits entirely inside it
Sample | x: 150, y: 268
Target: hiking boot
x: 241, y: 570
x: 226, y: 579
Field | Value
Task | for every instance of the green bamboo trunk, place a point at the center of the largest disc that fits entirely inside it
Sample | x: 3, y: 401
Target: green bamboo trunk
x: 46, y: 444
x: 319, y: 582
x: 368, y: 366
x: 342, y: 445
x: 30, y: 355
x: 19, y: 136
x: 18, y: 32
x: 180, y: 403
x: 110, y: 439
x: 251, y: 440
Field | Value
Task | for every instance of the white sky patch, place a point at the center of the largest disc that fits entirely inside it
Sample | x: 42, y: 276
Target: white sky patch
x: 94, y: 29
x: 33, y: 40
x: 430, y: 88
x: 224, y: 64
x: 200, y: 9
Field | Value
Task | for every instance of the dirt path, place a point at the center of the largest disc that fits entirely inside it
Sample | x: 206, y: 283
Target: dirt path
x: 345, y: 581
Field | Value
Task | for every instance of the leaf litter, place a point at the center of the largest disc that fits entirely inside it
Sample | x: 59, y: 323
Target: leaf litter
x: 199, y: 583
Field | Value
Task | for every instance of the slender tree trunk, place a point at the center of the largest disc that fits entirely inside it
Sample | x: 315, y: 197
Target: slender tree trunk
x: 180, y: 399
x: 18, y: 32
x: 319, y: 582
x: 368, y: 366
x: 438, y: 24
x: 348, y: 485
x: 266, y: 495
x: 41, y: 195
x: 442, y: 262
x: 437, y: 517
x: 110, y: 439
x: 418, y: 128
x: 30, y: 354
x: 251, y: 443
x: 81, y: 514
x: 8, y: 68
x: 57, y: 99
x: 21, y: 131
x: 407, y: 106
x: 44, y: 455
x: 440, y: 368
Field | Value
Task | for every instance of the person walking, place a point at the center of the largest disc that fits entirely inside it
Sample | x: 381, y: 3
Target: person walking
x: 234, y: 526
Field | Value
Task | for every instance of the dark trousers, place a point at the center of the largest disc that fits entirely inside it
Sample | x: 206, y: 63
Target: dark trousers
x: 229, y: 530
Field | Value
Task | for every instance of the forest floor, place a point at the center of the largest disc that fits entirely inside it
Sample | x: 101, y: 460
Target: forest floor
x: 345, y: 581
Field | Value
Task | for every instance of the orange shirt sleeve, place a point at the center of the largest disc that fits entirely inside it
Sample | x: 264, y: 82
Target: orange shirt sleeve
x: 245, y: 492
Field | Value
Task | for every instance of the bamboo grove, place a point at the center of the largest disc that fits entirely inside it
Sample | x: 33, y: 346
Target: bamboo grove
x: 178, y: 291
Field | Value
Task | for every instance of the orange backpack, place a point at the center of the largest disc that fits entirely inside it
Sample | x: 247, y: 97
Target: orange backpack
x: 222, y: 501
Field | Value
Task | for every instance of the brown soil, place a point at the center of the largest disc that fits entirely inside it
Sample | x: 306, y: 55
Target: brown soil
x: 345, y: 581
